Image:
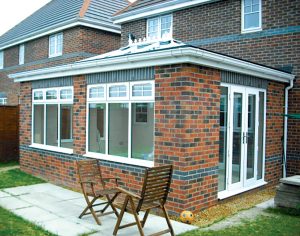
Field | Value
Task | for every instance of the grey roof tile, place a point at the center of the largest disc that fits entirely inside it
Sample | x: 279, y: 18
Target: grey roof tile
x: 61, y: 12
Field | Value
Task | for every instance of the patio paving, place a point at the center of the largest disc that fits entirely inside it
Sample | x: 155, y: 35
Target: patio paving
x: 56, y: 209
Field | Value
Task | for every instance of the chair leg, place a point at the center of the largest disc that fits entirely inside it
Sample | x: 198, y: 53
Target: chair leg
x: 145, y: 218
x: 110, y: 203
x: 168, y: 220
x: 87, y: 207
x: 121, y: 216
x: 138, y: 222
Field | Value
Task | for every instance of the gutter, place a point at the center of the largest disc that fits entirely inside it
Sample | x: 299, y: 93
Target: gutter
x: 155, y: 58
x: 286, y: 126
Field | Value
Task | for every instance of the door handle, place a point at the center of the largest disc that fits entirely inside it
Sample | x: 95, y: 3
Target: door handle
x: 245, y: 137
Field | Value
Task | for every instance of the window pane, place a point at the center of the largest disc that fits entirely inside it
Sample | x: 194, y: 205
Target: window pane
x: 51, y: 125
x: 38, y: 95
x: 96, y: 92
x: 251, y: 135
x: 117, y: 91
x: 153, y: 28
x: 97, y: 114
x: 165, y: 26
x: 142, y: 141
x: 118, y: 129
x: 51, y: 94
x: 66, y: 94
x: 52, y: 45
x: 38, y: 125
x: 66, y: 139
x: 223, y: 139
x: 140, y: 90
x: 1, y: 59
x: 59, y: 44
x: 252, y: 20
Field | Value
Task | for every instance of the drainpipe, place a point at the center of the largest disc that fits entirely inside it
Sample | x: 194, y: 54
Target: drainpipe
x: 286, y: 125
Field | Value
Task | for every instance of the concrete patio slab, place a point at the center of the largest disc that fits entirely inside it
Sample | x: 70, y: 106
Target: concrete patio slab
x: 4, y: 194
x: 56, y: 209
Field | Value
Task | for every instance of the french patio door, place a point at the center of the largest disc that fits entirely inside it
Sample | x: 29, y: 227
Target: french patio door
x: 241, y: 137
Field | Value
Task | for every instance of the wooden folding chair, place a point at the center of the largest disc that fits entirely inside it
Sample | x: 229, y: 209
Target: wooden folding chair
x: 154, y: 194
x: 93, y: 187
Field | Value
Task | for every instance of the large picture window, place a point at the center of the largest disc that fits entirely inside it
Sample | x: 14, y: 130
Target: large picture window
x: 52, y: 118
x: 121, y: 122
x: 251, y: 15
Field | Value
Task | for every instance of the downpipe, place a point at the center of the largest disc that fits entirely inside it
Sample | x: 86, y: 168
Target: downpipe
x: 286, y: 126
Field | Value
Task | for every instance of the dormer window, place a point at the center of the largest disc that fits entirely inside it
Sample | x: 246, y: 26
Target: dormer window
x: 251, y: 15
x: 159, y: 27
x: 55, y: 45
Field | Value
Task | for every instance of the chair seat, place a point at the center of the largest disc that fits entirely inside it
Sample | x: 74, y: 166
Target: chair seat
x: 120, y: 202
x: 102, y: 192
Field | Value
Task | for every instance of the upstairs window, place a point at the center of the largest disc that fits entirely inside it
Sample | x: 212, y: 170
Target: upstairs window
x: 55, y: 45
x: 21, y: 54
x: 251, y: 15
x: 1, y: 60
x: 159, y: 27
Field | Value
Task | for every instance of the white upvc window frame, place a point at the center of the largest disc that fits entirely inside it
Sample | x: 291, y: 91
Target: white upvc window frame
x: 58, y: 101
x: 253, y: 29
x: 21, y: 54
x: 110, y: 100
x: 137, y: 98
x: 56, y: 52
x: 159, y: 36
x: 1, y: 60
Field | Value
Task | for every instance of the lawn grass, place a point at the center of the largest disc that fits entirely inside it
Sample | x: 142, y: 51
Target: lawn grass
x: 278, y: 222
x: 15, y: 177
x: 11, y: 224
x: 9, y: 164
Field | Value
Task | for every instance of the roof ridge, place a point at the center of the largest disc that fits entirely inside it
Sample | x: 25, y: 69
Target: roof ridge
x: 125, y: 9
x: 84, y: 8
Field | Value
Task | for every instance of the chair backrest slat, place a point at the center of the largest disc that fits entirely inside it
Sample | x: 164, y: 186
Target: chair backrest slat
x: 156, y: 185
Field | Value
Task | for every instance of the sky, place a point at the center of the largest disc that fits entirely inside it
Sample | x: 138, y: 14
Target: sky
x: 13, y: 12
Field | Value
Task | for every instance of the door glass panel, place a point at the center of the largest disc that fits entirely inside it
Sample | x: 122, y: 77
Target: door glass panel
x: 236, y: 138
x: 52, y: 124
x: 66, y: 139
x: 250, y: 136
x: 118, y: 129
x: 38, y: 125
x: 223, y: 139
x: 261, y: 120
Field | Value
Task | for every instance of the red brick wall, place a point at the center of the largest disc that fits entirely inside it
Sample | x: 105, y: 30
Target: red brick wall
x: 79, y: 43
x: 187, y: 132
x: 274, y: 132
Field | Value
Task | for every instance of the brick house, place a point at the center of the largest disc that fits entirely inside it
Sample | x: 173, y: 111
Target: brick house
x: 60, y: 32
x: 211, y: 104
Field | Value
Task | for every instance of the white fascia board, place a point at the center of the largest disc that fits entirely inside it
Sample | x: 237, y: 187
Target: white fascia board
x: 156, y: 58
x: 66, y: 25
x: 156, y: 10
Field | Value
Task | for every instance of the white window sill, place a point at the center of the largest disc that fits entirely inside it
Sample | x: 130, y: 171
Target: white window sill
x: 123, y: 160
x: 51, y: 148
x: 230, y: 193
x: 246, y: 31
x: 55, y: 55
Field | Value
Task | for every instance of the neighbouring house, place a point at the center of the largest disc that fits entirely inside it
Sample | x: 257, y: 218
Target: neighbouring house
x: 61, y: 32
x: 202, y: 85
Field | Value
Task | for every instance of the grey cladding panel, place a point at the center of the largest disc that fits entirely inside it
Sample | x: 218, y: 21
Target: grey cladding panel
x: 246, y: 80
x: 51, y: 83
x: 121, y: 76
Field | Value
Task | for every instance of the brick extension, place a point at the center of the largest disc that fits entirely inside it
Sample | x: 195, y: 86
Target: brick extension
x: 187, y: 101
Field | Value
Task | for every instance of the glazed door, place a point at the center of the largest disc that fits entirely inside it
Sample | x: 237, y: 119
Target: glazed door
x: 242, y: 141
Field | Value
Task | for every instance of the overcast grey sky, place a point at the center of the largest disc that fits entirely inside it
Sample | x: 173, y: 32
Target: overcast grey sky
x: 13, y: 12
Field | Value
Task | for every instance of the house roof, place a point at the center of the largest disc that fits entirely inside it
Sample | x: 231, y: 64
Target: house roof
x: 143, y: 53
x: 148, y: 8
x: 61, y: 14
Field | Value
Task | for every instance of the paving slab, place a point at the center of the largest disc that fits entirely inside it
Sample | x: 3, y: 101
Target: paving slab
x: 57, y: 209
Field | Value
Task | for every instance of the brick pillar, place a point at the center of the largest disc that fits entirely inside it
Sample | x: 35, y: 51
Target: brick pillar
x: 25, y: 114
x: 79, y: 115
x: 187, y: 104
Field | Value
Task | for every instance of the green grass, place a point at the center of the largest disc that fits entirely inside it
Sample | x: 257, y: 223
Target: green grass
x: 8, y: 164
x: 16, y: 177
x: 11, y: 224
x: 281, y: 222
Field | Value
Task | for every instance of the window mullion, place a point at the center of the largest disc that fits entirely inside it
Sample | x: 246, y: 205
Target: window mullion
x: 58, y: 125
x: 45, y: 122
x: 129, y: 129
x: 106, y: 128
